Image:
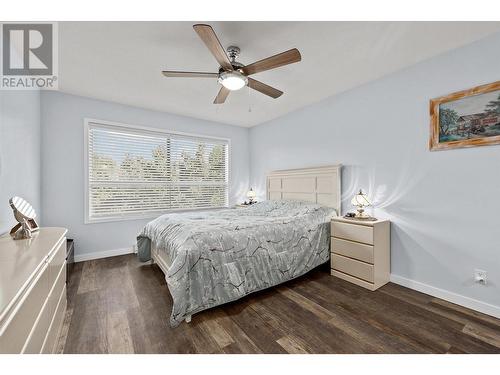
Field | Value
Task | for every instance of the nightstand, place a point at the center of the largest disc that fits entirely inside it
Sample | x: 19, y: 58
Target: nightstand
x: 361, y: 251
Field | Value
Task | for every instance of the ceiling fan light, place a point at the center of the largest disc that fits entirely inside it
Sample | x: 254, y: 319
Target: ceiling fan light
x: 233, y: 80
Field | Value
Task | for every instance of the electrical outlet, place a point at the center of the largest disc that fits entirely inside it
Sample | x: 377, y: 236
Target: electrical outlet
x: 480, y: 276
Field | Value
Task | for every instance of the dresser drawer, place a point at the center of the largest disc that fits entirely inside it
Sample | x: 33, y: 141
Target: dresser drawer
x: 56, y: 323
x: 16, y: 331
x: 57, y: 289
x: 56, y: 261
x: 352, y: 267
x: 354, y: 232
x: 353, y: 250
x: 39, y: 332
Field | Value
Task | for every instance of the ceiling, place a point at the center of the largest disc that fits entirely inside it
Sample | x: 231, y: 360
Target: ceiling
x: 122, y: 61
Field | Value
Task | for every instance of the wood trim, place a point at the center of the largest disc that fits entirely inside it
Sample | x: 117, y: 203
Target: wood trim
x: 434, y: 144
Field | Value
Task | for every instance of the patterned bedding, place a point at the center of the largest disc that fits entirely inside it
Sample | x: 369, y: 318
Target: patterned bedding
x: 222, y: 255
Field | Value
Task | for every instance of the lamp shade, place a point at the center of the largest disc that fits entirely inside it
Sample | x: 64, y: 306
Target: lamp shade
x: 360, y: 200
x: 251, y: 194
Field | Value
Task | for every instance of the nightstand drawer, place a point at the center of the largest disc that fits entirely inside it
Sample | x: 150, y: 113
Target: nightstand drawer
x: 353, y: 250
x: 352, y: 267
x: 354, y: 232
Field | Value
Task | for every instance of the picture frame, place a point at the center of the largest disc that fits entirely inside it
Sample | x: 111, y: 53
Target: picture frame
x: 467, y: 118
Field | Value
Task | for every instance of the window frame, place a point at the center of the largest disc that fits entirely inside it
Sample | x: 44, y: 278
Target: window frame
x: 87, y: 125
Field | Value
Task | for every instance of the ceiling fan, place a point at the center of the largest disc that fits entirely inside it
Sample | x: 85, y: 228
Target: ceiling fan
x: 233, y: 75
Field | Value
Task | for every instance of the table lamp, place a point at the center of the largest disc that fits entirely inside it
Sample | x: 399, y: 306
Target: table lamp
x: 251, y: 196
x: 361, y: 201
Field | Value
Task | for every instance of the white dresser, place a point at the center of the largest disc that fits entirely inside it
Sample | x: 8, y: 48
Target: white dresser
x: 361, y: 251
x: 32, y: 291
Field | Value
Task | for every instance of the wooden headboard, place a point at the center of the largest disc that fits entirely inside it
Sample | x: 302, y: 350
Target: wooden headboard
x: 318, y: 185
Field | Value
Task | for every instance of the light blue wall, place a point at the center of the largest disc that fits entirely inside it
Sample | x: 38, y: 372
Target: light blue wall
x: 444, y: 205
x: 62, y: 118
x: 19, y: 151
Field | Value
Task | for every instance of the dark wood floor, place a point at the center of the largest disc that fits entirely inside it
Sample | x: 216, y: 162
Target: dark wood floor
x: 118, y: 305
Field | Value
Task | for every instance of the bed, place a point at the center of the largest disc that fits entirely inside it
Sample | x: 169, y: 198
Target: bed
x: 213, y: 257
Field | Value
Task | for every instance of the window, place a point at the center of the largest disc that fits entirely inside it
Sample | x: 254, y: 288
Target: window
x: 135, y: 172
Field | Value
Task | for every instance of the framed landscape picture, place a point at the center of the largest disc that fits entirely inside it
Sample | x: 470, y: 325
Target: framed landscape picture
x: 466, y: 118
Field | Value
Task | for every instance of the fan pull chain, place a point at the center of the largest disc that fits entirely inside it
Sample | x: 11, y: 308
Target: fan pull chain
x: 217, y: 105
x: 249, y: 102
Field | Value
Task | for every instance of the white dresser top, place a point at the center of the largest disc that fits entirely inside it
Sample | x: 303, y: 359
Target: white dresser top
x: 369, y: 223
x: 21, y: 259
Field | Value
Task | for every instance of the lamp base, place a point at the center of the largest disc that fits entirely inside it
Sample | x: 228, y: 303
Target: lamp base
x: 361, y: 214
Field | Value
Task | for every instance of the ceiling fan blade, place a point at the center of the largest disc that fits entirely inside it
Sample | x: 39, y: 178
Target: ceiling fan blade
x: 222, y: 95
x: 263, y: 88
x: 207, y: 34
x: 284, y: 58
x: 174, y: 73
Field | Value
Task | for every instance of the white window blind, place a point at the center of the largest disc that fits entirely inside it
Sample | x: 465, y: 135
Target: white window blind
x: 133, y: 172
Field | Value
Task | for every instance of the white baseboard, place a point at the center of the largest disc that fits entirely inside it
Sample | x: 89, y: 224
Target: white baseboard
x: 458, y: 299
x: 103, y: 254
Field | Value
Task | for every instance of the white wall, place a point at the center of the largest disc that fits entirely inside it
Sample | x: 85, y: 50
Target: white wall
x: 444, y: 205
x: 19, y: 151
x: 62, y: 117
